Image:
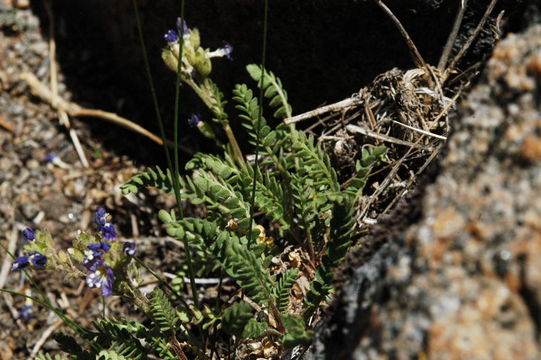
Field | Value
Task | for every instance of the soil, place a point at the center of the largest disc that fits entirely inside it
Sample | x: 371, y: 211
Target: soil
x: 323, y: 51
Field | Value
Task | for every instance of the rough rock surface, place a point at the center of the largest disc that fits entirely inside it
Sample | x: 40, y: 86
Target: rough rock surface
x: 465, y: 281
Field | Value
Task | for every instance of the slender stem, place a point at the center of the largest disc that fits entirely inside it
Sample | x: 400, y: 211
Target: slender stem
x: 237, y: 153
x: 416, y: 55
x: 470, y: 40
x: 218, y: 310
x: 452, y: 36
x: 259, y: 115
x: 176, y: 185
x: 234, y: 144
x: 176, y: 114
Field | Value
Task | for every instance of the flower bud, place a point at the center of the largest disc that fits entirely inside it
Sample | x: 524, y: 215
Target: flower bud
x: 202, y: 63
x: 170, y: 60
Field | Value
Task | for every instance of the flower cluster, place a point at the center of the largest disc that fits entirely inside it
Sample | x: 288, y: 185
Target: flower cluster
x: 34, y: 258
x: 103, y: 260
x: 195, y: 60
x: 101, y: 275
x: 106, y: 229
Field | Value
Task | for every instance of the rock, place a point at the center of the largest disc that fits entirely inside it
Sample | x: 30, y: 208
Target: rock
x: 465, y: 281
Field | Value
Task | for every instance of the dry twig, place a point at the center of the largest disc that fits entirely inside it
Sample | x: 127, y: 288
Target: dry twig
x: 470, y: 40
x: 74, y: 110
x: 452, y: 36
x: 62, y: 116
x: 44, y: 336
x: 366, y: 132
x: 6, y: 265
x: 341, y: 105
x: 415, y: 54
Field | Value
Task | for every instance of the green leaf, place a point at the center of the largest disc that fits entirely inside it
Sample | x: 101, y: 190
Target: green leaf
x: 342, y: 224
x: 371, y: 156
x: 273, y: 90
x: 297, y: 333
x: 283, y: 288
x: 236, y: 317
x: 163, y: 313
x: 151, y: 177
x: 254, y: 329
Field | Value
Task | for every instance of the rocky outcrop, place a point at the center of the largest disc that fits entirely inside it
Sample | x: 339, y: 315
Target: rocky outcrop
x: 465, y: 281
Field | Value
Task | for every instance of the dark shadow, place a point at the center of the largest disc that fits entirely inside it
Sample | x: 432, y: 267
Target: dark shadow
x: 322, y: 50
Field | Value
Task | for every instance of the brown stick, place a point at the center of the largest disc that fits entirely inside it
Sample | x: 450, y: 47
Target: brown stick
x: 73, y: 109
x: 415, y: 54
x: 352, y: 101
x: 470, y: 39
x: 366, y: 132
x: 452, y: 36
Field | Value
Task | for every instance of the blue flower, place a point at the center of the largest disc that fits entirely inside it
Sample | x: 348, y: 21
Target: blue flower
x: 106, y: 229
x: 185, y: 31
x: 100, y: 216
x: 227, y: 50
x: 108, y: 232
x: 37, y: 259
x: 51, y: 157
x: 194, y: 120
x: 99, y: 249
x: 94, y: 252
x: 129, y: 248
x: 29, y: 234
x: 20, y: 263
x: 101, y: 277
x: 25, y: 313
x: 171, y: 36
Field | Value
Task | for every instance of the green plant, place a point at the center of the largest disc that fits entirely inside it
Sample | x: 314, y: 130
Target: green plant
x: 285, y: 199
x: 298, y: 198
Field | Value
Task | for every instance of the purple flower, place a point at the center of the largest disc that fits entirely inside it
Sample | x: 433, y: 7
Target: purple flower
x: 129, y: 248
x: 25, y: 313
x: 29, y: 234
x: 94, y: 252
x: 106, y: 229
x: 101, y: 277
x: 227, y: 50
x: 99, y: 249
x: 20, y: 263
x: 100, y: 216
x: 108, y: 232
x: 194, y: 120
x: 51, y: 157
x: 171, y: 36
x: 37, y: 259
x: 182, y: 24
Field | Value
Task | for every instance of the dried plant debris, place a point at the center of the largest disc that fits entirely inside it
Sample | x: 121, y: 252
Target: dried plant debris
x: 406, y: 111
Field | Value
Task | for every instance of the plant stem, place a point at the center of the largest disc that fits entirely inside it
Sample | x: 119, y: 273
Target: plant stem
x: 234, y: 144
x: 209, y: 102
x: 259, y: 115
x: 172, y: 168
